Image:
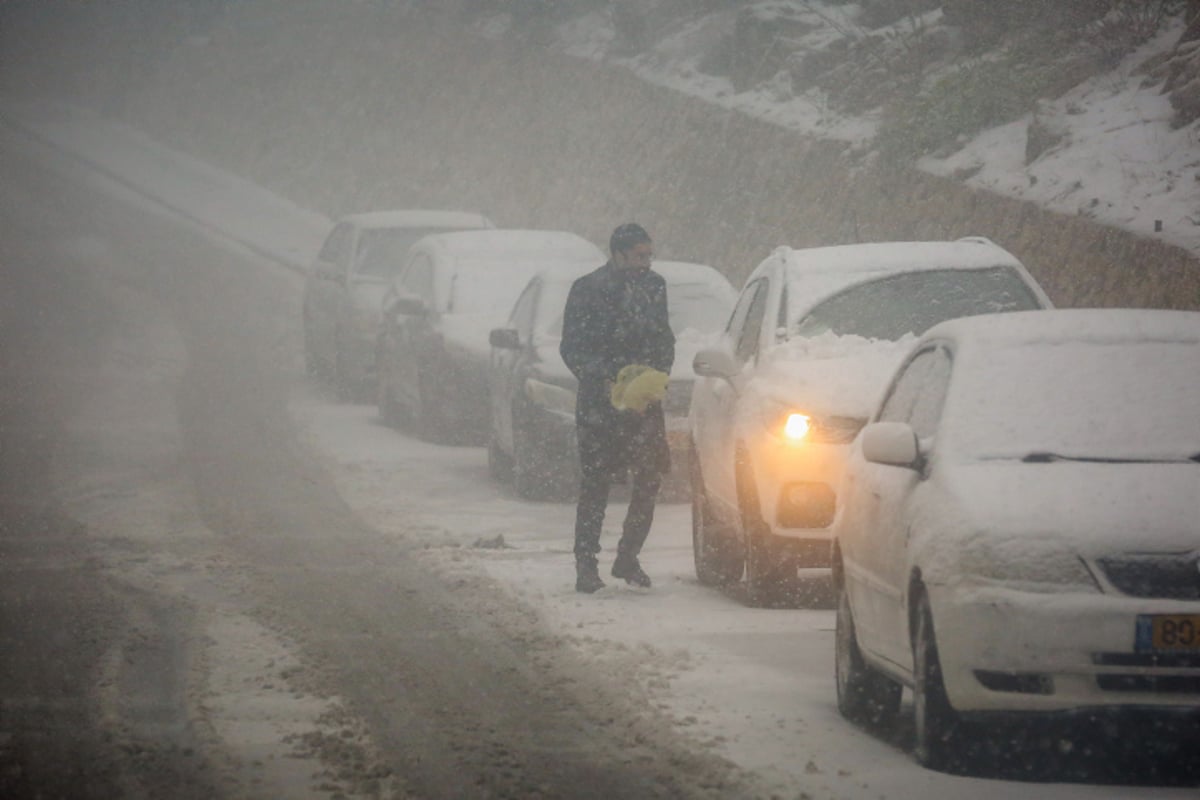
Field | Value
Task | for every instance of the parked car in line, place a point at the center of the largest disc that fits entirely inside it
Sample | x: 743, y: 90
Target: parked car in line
x: 345, y: 286
x: 532, y: 437
x: 809, y: 346
x: 433, y: 346
x: 1021, y: 525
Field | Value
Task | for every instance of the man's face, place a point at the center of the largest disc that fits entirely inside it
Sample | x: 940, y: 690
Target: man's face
x: 637, y: 257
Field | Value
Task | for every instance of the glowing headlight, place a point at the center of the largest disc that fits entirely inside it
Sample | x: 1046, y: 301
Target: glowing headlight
x: 786, y: 421
x: 797, y: 426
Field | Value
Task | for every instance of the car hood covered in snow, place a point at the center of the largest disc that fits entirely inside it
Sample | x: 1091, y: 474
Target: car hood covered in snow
x: 830, y: 375
x: 1017, y: 514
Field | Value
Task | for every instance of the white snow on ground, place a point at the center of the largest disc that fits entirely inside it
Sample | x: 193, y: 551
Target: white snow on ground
x: 754, y: 685
x: 1120, y: 164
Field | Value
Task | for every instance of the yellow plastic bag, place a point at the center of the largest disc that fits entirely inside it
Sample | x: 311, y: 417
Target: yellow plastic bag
x: 637, y: 387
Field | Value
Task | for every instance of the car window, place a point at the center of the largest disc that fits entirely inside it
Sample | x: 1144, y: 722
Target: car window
x: 418, y: 278
x: 552, y: 302
x: 382, y: 252
x: 902, y: 397
x: 337, y: 245
x: 913, y: 302
x: 927, y: 407
x: 522, y: 313
x: 748, y: 337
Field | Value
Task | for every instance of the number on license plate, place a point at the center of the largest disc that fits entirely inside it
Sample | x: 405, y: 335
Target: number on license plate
x: 1166, y: 632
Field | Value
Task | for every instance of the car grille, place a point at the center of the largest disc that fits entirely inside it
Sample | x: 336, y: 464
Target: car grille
x: 1161, y: 684
x: 1177, y: 677
x: 1172, y: 577
x: 1168, y: 660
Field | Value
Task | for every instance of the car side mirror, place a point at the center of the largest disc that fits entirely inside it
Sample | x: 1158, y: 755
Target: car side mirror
x: 715, y: 362
x: 505, y: 338
x: 891, y: 443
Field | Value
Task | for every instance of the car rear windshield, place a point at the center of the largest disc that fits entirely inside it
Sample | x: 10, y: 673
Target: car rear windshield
x: 383, y: 251
x: 913, y: 302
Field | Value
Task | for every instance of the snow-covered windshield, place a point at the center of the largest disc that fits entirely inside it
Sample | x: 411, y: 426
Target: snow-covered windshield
x: 1079, y: 400
x: 383, y: 251
x: 912, y: 302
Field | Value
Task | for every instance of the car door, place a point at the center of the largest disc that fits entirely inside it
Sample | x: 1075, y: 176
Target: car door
x: 889, y: 495
x: 404, y: 332
x: 326, y: 292
x: 718, y: 402
x: 509, y: 367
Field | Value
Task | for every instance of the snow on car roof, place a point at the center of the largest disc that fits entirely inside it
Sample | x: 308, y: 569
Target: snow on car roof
x: 418, y: 218
x: 514, y: 244
x: 1067, y: 325
x: 822, y: 271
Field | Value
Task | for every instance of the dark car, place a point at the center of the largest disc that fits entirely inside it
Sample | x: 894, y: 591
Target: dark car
x: 342, y: 295
x: 532, y: 438
x: 433, y: 347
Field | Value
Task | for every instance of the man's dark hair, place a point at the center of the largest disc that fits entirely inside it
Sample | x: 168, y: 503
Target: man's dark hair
x: 626, y: 236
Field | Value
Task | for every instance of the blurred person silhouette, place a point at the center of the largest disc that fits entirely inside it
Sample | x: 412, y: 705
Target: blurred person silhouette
x: 617, y: 341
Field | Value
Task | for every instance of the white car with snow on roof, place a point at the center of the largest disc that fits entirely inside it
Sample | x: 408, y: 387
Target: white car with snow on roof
x: 808, y: 349
x: 1021, y: 525
x: 347, y: 281
x: 433, y: 350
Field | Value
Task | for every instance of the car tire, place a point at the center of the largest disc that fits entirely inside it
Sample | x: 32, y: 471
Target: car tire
x: 312, y: 364
x: 771, y: 576
x: 938, y: 733
x: 390, y: 410
x: 529, y: 477
x: 864, y: 696
x: 344, y: 385
x: 500, y: 463
x: 718, y: 558
x: 432, y: 425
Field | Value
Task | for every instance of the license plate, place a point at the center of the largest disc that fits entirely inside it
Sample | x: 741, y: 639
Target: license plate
x: 1157, y: 633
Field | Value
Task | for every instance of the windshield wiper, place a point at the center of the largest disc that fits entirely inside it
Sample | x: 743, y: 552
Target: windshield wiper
x: 1043, y: 457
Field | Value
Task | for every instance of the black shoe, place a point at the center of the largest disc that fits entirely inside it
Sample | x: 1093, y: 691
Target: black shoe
x: 627, y: 567
x: 587, y: 576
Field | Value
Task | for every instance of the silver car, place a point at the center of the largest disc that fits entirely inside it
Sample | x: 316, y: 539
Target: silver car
x: 345, y: 288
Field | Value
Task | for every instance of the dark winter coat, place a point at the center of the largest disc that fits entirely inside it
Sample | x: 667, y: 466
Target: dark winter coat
x: 615, y: 318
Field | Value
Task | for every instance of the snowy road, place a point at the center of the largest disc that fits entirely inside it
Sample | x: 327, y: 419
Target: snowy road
x: 368, y: 568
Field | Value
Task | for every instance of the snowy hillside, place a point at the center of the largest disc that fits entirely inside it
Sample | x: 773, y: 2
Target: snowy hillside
x: 1108, y: 143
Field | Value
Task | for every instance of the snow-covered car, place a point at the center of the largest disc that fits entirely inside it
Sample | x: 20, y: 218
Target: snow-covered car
x: 1021, y: 526
x: 811, y: 343
x: 532, y: 438
x: 433, y: 347
x: 346, y: 284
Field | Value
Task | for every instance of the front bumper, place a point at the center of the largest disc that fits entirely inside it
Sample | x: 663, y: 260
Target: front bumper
x: 1008, y: 650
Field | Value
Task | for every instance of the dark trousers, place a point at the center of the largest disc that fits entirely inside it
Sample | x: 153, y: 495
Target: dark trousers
x: 597, y: 479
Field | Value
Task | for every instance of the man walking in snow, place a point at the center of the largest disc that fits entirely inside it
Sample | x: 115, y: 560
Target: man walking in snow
x: 616, y: 336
